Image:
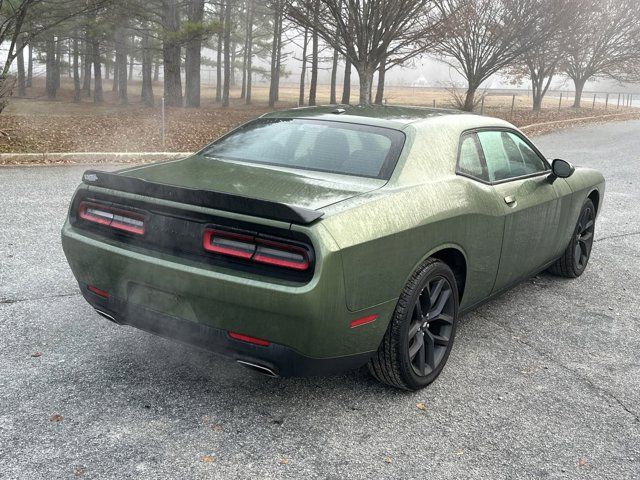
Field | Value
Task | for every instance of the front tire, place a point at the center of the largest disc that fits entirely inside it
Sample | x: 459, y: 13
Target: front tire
x: 575, y: 258
x: 420, y: 335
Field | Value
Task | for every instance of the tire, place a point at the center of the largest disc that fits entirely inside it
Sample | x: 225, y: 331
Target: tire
x: 575, y: 258
x: 431, y: 294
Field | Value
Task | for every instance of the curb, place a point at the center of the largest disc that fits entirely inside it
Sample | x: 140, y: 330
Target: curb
x: 577, y: 119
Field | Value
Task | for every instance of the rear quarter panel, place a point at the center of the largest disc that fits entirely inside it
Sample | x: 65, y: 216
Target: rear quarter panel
x: 383, y: 240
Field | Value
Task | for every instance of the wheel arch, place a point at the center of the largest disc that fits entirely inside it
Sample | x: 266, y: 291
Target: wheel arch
x: 455, y: 258
x: 594, y: 196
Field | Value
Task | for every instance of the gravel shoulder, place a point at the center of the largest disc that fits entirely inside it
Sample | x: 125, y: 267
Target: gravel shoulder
x: 542, y: 382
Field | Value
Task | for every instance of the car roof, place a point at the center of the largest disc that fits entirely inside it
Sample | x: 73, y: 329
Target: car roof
x: 390, y: 116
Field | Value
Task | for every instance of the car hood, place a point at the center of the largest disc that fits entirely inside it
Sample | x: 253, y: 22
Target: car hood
x: 302, y: 188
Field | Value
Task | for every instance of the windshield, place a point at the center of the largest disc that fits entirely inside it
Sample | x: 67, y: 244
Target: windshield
x: 326, y: 146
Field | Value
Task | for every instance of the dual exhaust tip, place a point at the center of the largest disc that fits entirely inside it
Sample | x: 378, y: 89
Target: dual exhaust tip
x: 251, y: 366
x: 258, y: 368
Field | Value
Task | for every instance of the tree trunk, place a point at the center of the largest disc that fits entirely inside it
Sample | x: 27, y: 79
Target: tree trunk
x: 50, y: 51
x: 334, y: 77
x: 171, y: 55
x: 247, y: 99
x: 579, y: 83
x: 279, y: 56
x: 22, y: 81
x: 86, y: 65
x: 469, y: 99
x: 116, y: 72
x: 156, y: 71
x: 273, y: 85
x: 147, y: 67
x: 58, y: 60
x: 232, y: 65
x: 346, y: 85
x: 30, y: 67
x: 97, y: 73
x: 313, y: 88
x: 121, y: 62
x: 227, y: 55
x: 382, y: 70
x: 247, y: 28
x: 107, y: 67
x: 131, y: 58
x: 193, y: 58
x: 366, y: 82
x: 219, y: 55
x: 76, y: 71
x: 303, y: 70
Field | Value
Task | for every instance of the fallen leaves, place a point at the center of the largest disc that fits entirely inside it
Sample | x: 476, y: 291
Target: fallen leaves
x: 421, y: 406
x: 284, y: 461
x: 80, y: 471
x: 36, y: 354
x: 216, y: 427
x: 207, y: 458
x: 56, y: 417
x: 388, y: 460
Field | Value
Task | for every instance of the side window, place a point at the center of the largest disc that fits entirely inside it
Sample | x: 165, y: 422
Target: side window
x: 470, y: 161
x: 508, y: 156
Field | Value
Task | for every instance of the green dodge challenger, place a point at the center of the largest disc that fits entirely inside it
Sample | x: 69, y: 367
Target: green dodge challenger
x: 319, y: 239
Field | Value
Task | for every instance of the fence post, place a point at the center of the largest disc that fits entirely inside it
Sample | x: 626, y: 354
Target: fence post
x: 618, y: 106
x: 513, y: 102
x: 606, y: 102
x: 482, y: 105
x: 434, y: 103
x: 593, y: 105
x: 560, y: 102
x: 630, y: 99
x: 162, y: 119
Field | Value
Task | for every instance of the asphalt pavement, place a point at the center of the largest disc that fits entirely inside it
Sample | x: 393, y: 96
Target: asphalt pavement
x: 543, y: 382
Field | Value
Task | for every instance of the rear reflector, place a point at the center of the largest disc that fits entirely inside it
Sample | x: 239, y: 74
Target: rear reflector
x: 363, y: 321
x: 97, y: 291
x: 110, y: 217
x: 248, y: 339
x: 256, y: 249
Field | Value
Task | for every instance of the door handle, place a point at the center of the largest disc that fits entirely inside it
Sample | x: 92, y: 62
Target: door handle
x: 510, y: 200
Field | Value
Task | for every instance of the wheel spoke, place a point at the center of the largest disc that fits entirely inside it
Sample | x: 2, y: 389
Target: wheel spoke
x: 418, y: 343
x: 441, y: 302
x: 413, y: 329
x: 577, y: 253
x: 440, y: 340
x: 429, y: 350
x: 587, y: 226
x: 434, y: 292
x: 418, y: 310
x: 585, y: 237
x: 448, y: 319
x: 421, y: 365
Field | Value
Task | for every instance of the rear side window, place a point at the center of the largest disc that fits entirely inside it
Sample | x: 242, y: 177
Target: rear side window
x: 508, y: 156
x: 326, y: 146
x: 470, y: 160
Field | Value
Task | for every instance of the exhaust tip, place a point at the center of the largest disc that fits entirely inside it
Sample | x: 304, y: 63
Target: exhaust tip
x: 258, y: 368
x: 105, y: 315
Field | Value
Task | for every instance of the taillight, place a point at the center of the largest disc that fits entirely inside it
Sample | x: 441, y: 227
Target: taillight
x: 119, y: 219
x: 256, y: 249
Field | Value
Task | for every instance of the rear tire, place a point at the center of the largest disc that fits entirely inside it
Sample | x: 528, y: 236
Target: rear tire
x: 420, y: 335
x: 575, y: 258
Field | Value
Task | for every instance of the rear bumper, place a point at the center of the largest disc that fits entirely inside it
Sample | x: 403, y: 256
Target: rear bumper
x: 277, y: 359
x: 307, y: 326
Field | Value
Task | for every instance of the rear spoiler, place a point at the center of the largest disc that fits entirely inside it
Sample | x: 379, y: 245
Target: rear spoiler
x: 203, y: 198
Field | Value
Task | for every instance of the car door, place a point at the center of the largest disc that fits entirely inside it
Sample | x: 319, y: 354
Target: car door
x: 520, y: 178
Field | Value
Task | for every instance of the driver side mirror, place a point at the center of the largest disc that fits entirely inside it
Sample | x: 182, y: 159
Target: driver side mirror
x: 562, y: 168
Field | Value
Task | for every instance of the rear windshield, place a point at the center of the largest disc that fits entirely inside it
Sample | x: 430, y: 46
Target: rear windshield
x: 325, y: 146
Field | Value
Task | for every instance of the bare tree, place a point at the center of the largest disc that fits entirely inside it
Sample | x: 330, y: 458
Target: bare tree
x: 193, y: 49
x: 478, y: 38
x: 367, y: 31
x: 608, y: 47
x: 275, y: 52
x: 313, y: 87
x: 227, y: 55
x: 171, y: 53
x: 303, y: 69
